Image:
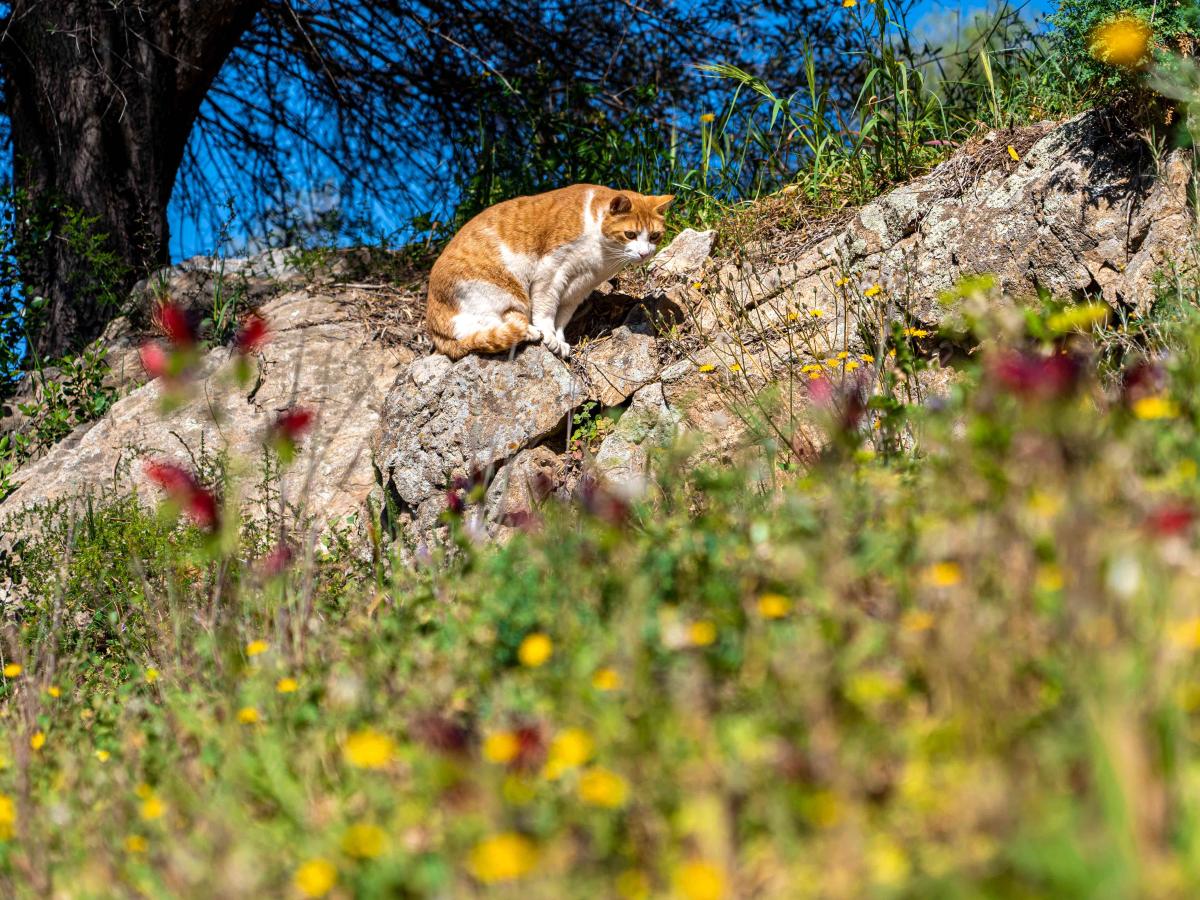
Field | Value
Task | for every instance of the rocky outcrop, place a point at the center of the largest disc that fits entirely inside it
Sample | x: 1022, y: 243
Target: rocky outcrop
x: 320, y: 356
x: 446, y: 422
x: 1078, y: 209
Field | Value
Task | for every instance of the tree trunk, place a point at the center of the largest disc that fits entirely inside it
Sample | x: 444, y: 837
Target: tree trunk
x: 101, y: 97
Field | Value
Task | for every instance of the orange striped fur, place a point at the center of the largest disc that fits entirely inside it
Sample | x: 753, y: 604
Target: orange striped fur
x: 519, y: 270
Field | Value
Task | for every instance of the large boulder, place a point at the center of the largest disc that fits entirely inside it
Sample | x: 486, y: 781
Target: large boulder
x: 450, y: 422
x: 447, y: 420
x: 320, y: 356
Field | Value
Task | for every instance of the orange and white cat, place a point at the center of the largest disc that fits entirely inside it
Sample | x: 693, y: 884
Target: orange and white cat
x: 519, y: 270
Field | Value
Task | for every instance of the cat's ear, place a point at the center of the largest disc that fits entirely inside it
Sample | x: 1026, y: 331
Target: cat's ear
x: 620, y: 204
x: 661, y: 203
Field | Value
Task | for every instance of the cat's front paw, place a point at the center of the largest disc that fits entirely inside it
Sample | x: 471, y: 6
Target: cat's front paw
x: 532, y: 334
x: 559, y: 348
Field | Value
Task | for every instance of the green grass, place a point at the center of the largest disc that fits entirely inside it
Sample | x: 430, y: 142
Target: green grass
x: 966, y: 672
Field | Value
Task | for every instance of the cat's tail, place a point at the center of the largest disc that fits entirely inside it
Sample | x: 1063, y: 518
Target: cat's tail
x: 511, y: 331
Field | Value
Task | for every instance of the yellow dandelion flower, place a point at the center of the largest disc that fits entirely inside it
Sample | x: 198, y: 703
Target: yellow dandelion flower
x: 873, y: 291
x: 364, y: 841
x: 706, y: 367
x: 916, y: 621
x: 774, y: 606
x: 502, y: 857
x: 248, y: 715
x: 103, y: 755
x: 867, y: 358
x: 843, y: 355
x: 944, y: 574
x: 708, y: 117
x: 12, y: 670
x: 851, y: 365
x: 832, y: 363
x: 700, y: 879
x: 1012, y: 151
x: 815, y: 313
x: 811, y: 367
x: 814, y: 376
x: 1122, y: 41
x: 54, y: 691
x: 570, y: 749
x: 151, y: 675
x: 143, y: 791
x: 606, y: 680
x: 697, y: 285
x: 888, y: 863
x: 841, y: 282
x: 315, y: 878
x: 1185, y: 634
x: 1050, y: 577
x: 8, y: 817
x: 914, y: 332
x: 287, y: 686
x: 37, y: 740
x: 848, y: 4
x: 599, y: 786
x: 1156, y: 407
x: 870, y: 688
x: 702, y: 633
x: 793, y: 316
x: 135, y: 843
x: 368, y: 749
x: 152, y: 808
x: 735, y: 367
x: 255, y: 648
x: 1080, y: 317
x: 535, y: 650
x: 501, y: 747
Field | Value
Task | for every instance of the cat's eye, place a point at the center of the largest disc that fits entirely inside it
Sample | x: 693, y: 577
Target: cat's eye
x: 631, y: 235
x: 655, y: 236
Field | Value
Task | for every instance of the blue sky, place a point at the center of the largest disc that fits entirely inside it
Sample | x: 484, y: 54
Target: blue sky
x: 932, y: 21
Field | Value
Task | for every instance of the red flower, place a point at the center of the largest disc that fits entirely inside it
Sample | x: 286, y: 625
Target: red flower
x: 174, y: 479
x: 531, y: 747
x: 182, y: 488
x: 292, y: 423
x: 277, y: 560
x: 253, y: 334
x: 1036, y: 377
x: 1143, y: 379
x: 601, y: 502
x: 442, y: 733
x: 175, y: 324
x: 201, y: 505
x: 1171, y: 518
x: 154, y: 360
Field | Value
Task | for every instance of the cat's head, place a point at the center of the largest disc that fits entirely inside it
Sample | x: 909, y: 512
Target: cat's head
x: 634, y: 223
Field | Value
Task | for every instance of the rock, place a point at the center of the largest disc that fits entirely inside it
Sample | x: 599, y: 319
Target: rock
x: 624, y: 456
x: 702, y: 410
x: 463, y: 419
x: 319, y: 357
x: 685, y: 255
x: 620, y: 364
x: 1082, y: 212
x: 523, y: 485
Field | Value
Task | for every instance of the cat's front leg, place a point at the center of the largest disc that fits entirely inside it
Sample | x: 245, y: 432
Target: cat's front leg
x: 544, y: 305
